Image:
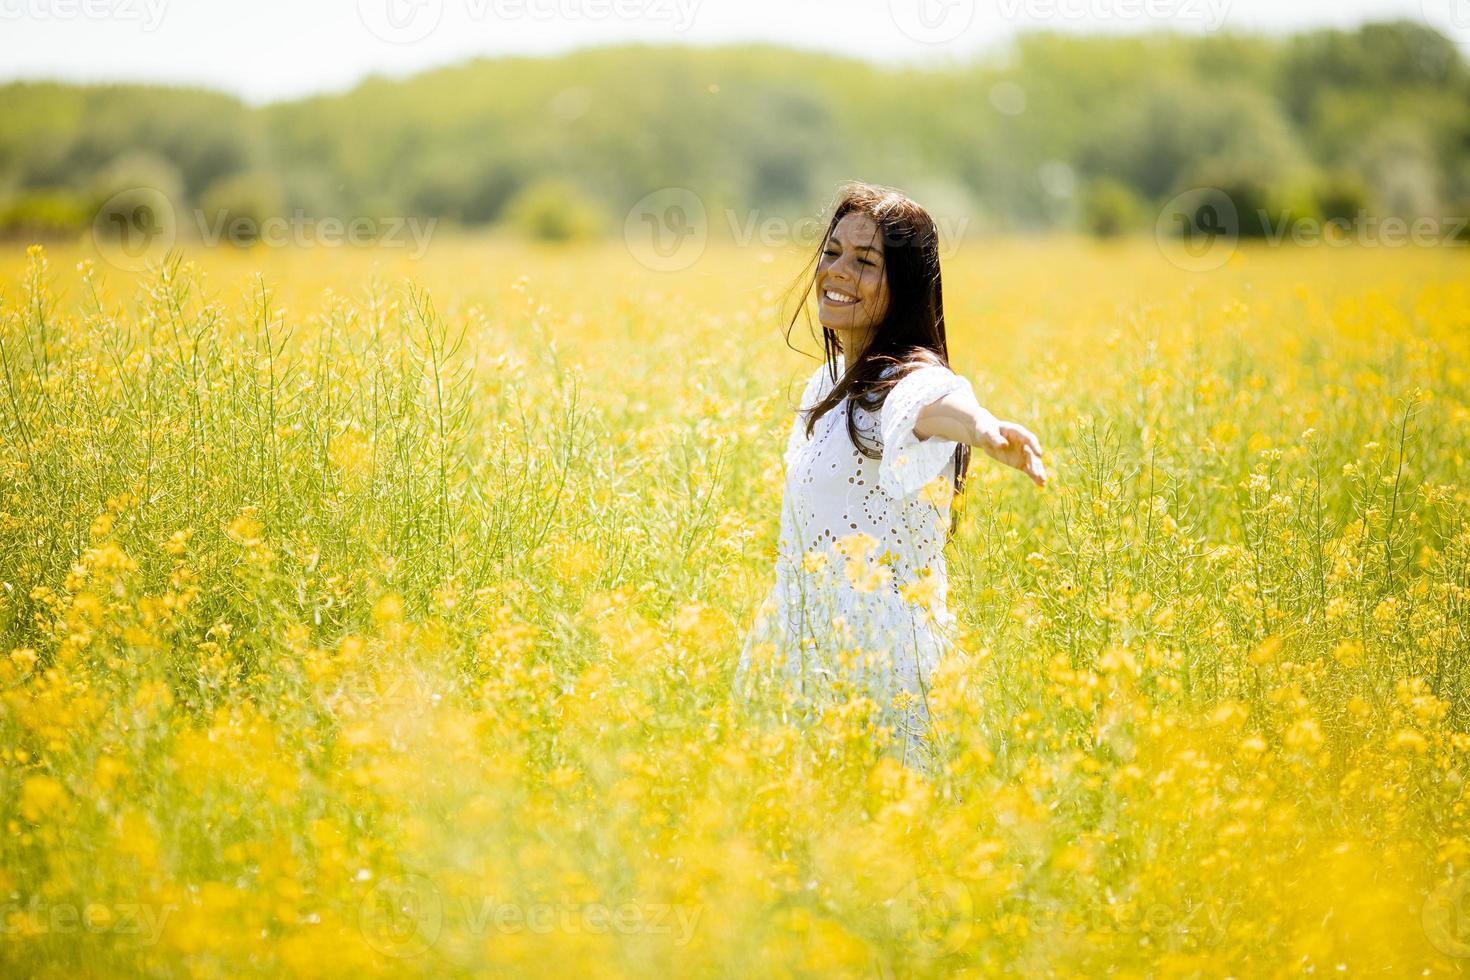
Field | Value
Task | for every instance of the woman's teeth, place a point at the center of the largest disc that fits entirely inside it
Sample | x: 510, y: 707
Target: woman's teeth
x: 839, y: 298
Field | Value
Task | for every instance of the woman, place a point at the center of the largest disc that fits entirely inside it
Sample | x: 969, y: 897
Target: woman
x: 879, y: 446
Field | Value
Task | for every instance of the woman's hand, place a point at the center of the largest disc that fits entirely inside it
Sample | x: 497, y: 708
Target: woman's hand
x: 1012, y: 444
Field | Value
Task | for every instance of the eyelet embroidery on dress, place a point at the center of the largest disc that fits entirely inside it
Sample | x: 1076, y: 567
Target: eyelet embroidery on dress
x: 863, y: 499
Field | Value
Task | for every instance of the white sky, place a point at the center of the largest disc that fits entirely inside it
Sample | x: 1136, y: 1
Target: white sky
x: 272, y: 49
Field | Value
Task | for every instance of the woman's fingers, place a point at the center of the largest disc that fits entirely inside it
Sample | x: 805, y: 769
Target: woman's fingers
x: 1035, y: 442
x: 994, y: 438
x: 1022, y: 435
x: 1029, y: 437
x: 1034, y: 469
x: 1017, y: 447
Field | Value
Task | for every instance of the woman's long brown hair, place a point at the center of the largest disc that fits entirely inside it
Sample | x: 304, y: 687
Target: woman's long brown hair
x: 910, y: 335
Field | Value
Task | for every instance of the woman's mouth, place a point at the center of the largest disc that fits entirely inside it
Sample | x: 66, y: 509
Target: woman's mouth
x: 838, y: 299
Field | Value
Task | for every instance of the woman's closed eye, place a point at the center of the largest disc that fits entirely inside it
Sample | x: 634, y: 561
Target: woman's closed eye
x: 832, y: 253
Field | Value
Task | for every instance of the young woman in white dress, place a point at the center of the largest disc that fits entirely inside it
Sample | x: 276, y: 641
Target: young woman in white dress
x: 879, y: 447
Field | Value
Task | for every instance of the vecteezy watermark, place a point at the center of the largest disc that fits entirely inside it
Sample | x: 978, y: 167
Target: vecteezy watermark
x: 140, y: 921
x: 402, y: 916
x: 1208, y: 926
x: 137, y: 226
x: 1201, y: 229
x: 400, y: 21
x: 1198, y: 230
x: 392, y: 701
x: 1210, y: 13
x: 1445, y: 917
x: 1450, y: 17
x: 669, y: 229
x: 147, y: 13
x: 303, y: 232
x: 134, y: 227
x: 405, y: 915
x: 932, y: 21
x: 1366, y: 230
x: 773, y: 231
x: 410, y: 21
x: 934, y: 915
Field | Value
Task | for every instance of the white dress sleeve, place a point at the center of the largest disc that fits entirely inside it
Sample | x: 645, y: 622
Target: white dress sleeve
x: 798, y: 437
x: 909, y: 462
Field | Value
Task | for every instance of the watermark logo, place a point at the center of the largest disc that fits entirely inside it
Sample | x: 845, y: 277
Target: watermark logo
x: 405, y: 915
x: 302, y: 232
x: 1366, y: 231
x: 400, y: 21
x: 775, y: 231
x: 1450, y: 17
x: 679, y: 13
x: 148, y: 14
x: 667, y: 230
x: 410, y: 21
x: 1199, y: 230
x: 137, y: 226
x: 934, y: 913
x: 1210, y: 13
x: 402, y: 916
x: 134, y: 227
x: 932, y: 21
x: 1445, y: 916
x: 142, y: 923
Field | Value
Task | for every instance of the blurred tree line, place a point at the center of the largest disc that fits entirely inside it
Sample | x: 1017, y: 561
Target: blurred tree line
x: 1058, y: 131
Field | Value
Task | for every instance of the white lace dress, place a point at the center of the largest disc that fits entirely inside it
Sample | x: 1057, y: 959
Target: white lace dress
x: 860, y: 600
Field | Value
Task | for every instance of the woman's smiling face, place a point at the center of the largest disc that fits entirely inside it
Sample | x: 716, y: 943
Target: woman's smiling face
x: 852, y: 288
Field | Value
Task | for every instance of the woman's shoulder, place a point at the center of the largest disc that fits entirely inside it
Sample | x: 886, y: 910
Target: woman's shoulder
x: 816, y: 385
x: 919, y: 359
x: 820, y: 380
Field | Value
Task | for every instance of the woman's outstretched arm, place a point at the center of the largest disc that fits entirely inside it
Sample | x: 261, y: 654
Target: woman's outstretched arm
x: 959, y: 417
